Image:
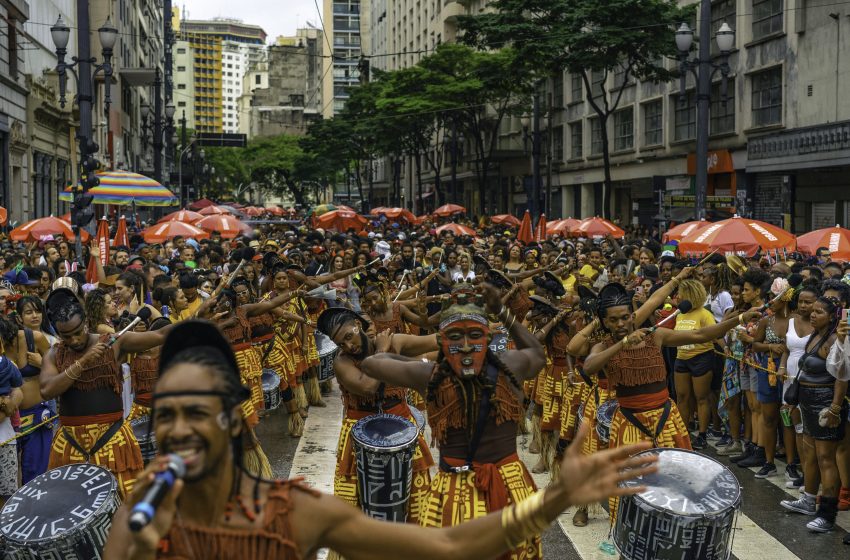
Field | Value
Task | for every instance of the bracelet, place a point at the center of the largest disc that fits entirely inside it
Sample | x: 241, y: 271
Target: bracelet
x: 741, y: 319
x: 524, y: 520
x: 835, y: 408
x: 625, y: 341
x: 830, y: 411
x: 76, y: 376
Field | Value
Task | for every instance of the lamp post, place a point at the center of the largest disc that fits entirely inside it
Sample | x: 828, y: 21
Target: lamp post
x: 457, y: 147
x: 87, y: 69
x: 703, y: 69
x: 161, y: 125
x: 534, y: 124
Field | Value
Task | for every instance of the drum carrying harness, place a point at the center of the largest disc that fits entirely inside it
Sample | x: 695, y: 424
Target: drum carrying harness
x: 98, y: 445
x: 492, y: 373
x: 630, y: 416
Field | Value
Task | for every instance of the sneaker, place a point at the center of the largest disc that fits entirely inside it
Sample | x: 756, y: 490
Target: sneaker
x: 699, y: 443
x: 734, y: 448
x: 724, y: 441
x: 757, y: 459
x: 803, y: 505
x: 795, y: 483
x: 746, y: 451
x: 767, y: 470
x: 792, y: 472
x: 820, y: 525
x: 714, y: 434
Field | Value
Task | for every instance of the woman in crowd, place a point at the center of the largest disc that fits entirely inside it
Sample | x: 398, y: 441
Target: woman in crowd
x: 100, y: 311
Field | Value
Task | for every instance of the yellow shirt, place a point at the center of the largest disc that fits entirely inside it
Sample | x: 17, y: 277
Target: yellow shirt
x: 692, y: 321
x: 589, y: 271
x: 189, y: 311
x: 569, y: 283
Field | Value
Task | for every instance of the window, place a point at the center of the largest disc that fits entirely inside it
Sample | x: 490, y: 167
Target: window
x: 685, y: 117
x: 624, y: 129
x: 597, y: 82
x: 767, y: 97
x: 558, y: 143
x: 721, y: 12
x: 595, y: 136
x: 258, y: 79
x: 181, y: 68
x: 653, y: 123
x: 722, y: 115
x: 181, y: 103
x: 558, y: 90
x: 576, y: 88
x: 767, y: 17
x: 620, y: 75
x: 181, y: 50
x: 181, y: 86
x: 576, y: 138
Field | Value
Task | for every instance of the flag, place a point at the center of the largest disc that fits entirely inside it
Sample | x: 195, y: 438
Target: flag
x: 121, y: 237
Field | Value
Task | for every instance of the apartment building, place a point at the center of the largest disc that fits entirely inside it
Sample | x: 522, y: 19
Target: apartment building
x: 348, y: 27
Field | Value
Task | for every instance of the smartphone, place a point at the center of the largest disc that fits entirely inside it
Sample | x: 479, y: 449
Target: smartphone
x: 845, y: 315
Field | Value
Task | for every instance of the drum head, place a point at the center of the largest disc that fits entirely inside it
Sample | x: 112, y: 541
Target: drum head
x: 270, y: 380
x: 324, y: 344
x: 384, y: 432
x: 57, y: 503
x: 688, y: 484
x: 141, y: 426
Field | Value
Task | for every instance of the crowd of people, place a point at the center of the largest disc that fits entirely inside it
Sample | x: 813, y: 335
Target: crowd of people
x: 586, y: 345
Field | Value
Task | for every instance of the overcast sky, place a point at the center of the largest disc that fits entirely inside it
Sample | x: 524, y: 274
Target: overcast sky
x: 276, y: 17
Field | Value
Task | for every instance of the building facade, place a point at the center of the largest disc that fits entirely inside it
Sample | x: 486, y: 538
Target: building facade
x: 348, y: 27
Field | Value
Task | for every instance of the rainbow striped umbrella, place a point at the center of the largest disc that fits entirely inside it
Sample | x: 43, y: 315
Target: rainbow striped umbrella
x: 126, y: 188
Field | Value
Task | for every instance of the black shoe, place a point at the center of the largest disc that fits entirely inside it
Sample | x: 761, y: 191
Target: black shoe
x: 767, y: 470
x: 757, y: 459
x: 699, y: 443
x: 847, y: 538
x: 748, y: 451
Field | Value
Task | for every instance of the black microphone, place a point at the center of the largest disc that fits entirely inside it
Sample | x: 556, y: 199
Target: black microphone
x: 144, y: 511
x: 684, y: 307
x: 143, y: 315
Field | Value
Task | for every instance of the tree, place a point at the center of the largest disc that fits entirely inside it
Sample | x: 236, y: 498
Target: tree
x: 627, y: 37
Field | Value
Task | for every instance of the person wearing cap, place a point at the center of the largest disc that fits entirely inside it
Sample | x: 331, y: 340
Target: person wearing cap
x: 83, y: 369
x: 219, y: 508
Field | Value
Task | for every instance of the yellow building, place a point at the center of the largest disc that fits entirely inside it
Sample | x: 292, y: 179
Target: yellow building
x: 207, y: 80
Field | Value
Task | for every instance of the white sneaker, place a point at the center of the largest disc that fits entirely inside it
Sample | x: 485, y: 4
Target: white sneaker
x: 734, y: 448
x: 819, y: 525
x: 802, y: 505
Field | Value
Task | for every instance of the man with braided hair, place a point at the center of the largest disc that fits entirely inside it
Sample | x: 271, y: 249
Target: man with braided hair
x: 474, y: 400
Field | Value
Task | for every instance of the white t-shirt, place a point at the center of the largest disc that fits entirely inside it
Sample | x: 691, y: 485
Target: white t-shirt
x: 458, y: 276
x: 719, y: 304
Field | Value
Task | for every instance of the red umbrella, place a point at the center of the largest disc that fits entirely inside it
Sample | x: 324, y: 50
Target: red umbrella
x: 562, y: 227
x: 378, y: 210
x: 341, y: 220
x: 121, y: 237
x: 738, y: 236
x: 38, y: 229
x: 276, y: 211
x: 253, y: 211
x: 449, y: 210
x: 398, y: 214
x: 597, y: 227
x: 186, y: 216
x: 540, y: 230
x: 456, y: 229
x: 66, y: 217
x: 226, y: 225
x: 346, y: 208
x: 203, y: 203
x: 164, y: 231
x: 506, y: 219
x: 676, y: 233
x: 4, y: 216
x: 213, y: 210
x: 836, y: 239
x: 524, y: 234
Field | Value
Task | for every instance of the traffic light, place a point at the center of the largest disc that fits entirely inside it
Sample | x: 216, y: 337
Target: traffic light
x: 88, y: 179
x: 83, y: 212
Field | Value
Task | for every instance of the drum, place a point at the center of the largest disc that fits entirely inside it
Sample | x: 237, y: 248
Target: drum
x: 383, y: 446
x: 145, y: 437
x: 579, y: 415
x: 686, y: 512
x: 271, y: 390
x: 62, y: 514
x: 499, y: 341
x: 604, y: 416
x: 327, y: 352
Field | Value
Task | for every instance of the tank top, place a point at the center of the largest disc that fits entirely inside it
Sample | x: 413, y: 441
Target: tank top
x: 813, y: 367
x: 796, y: 347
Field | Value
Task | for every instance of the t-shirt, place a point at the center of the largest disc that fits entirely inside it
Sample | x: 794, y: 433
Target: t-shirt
x: 190, y: 310
x: 569, y: 283
x: 589, y: 271
x: 720, y: 304
x: 692, y: 321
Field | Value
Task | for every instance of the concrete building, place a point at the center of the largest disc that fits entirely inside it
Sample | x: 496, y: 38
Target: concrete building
x: 348, y: 26
x: 184, y: 79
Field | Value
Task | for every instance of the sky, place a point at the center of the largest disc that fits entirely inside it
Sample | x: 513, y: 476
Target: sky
x: 276, y: 17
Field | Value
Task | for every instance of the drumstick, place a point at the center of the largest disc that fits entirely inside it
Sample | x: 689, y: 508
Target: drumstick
x: 373, y: 262
x: 707, y: 257
x: 233, y: 274
x: 399, y: 285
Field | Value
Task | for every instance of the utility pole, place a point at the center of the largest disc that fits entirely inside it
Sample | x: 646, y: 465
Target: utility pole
x: 549, y: 158
x: 535, y: 154
x: 703, y: 105
x: 157, y: 126
x: 168, y: 41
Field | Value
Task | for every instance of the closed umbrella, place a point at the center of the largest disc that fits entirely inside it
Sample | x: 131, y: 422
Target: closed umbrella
x: 163, y: 231
x: 227, y: 226
x: 122, y: 239
x: 456, y: 229
x: 540, y: 230
x: 506, y: 220
x: 738, y: 236
x: 835, y: 239
x: 597, y: 227
x: 524, y: 234
x: 186, y: 216
x: 676, y: 233
x: 38, y: 229
x: 447, y: 210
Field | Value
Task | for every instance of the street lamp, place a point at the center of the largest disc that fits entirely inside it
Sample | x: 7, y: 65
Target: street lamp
x: 703, y: 69
x: 158, y: 124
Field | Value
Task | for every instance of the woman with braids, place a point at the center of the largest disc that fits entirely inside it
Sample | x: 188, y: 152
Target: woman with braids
x: 100, y: 311
x: 363, y: 396
x: 219, y: 510
x: 635, y: 369
x: 83, y: 369
x: 824, y: 413
x: 130, y: 290
x: 474, y: 400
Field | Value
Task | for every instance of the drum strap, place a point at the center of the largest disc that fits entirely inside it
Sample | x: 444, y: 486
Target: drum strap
x: 98, y: 445
x: 584, y: 376
x: 492, y: 373
x: 658, y: 428
x: 268, y: 349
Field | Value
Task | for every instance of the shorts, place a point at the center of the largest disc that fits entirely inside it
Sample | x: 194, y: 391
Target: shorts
x: 697, y: 366
x: 749, y: 379
x: 812, y: 401
x: 717, y: 369
x: 765, y: 393
x: 8, y: 469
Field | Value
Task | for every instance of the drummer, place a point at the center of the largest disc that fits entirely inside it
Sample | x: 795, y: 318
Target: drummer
x: 363, y: 396
x: 480, y: 471
x: 635, y: 369
x: 218, y: 507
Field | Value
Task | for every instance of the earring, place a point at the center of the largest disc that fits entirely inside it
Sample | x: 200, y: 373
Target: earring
x: 222, y: 420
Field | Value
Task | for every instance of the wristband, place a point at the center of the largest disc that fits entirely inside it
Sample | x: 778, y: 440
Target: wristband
x: 741, y: 319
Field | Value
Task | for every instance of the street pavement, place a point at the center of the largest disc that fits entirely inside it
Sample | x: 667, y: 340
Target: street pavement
x: 764, y: 529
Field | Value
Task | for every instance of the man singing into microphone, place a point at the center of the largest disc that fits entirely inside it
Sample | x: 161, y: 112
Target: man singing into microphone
x: 83, y: 369
x: 220, y: 511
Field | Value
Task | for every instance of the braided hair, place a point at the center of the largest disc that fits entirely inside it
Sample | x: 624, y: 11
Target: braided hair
x: 62, y: 306
x: 612, y: 295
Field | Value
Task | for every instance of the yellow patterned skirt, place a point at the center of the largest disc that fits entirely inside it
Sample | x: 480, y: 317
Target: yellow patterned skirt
x: 574, y: 395
x: 251, y: 374
x: 674, y: 435
x: 596, y: 396
x: 120, y: 455
x: 551, y: 387
x: 345, y: 477
x: 138, y: 411
x: 279, y: 360
x: 454, y: 498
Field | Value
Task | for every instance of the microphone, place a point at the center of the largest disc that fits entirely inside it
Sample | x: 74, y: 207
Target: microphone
x: 684, y: 307
x: 144, y: 511
x: 143, y: 315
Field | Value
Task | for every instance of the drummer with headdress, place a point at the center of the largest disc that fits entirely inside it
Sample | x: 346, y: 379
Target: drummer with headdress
x: 363, y: 396
x: 635, y: 369
x: 474, y: 399
x: 84, y: 370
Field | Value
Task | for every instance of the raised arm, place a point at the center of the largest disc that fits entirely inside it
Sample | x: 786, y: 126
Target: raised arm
x: 657, y: 299
x: 528, y: 358
x: 669, y: 337
x: 254, y: 309
x: 400, y: 371
x: 132, y: 342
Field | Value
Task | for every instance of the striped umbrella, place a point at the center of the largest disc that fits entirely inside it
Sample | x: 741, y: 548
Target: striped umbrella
x: 126, y: 188
x: 323, y: 209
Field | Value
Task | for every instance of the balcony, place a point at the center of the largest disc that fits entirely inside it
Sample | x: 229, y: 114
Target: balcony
x: 800, y: 148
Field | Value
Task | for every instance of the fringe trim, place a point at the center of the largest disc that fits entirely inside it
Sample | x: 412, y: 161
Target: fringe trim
x: 445, y: 411
x: 143, y: 372
x: 256, y: 462
x: 300, y: 396
x: 296, y: 424
x: 105, y: 375
x: 314, y: 394
x: 536, y: 444
x: 637, y: 366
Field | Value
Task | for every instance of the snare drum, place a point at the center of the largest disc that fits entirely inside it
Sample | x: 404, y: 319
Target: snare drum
x: 271, y: 390
x: 604, y: 416
x: 687, y: 511
x: 327, y: 352
x: 63, y: 514
x: 383, y: 446
x: 499, y: 342
x: 145, y: 436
